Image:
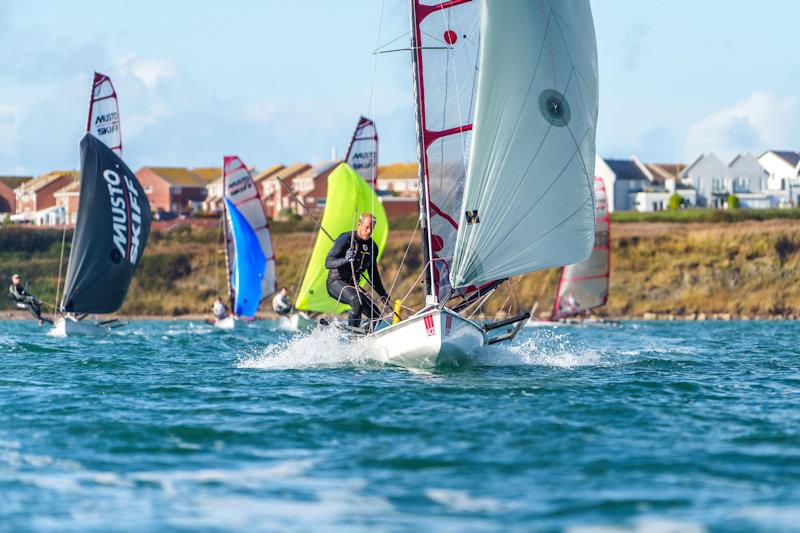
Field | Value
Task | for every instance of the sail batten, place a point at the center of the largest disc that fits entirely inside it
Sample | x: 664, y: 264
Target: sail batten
x: 249, y: 252
x: 528, y: 199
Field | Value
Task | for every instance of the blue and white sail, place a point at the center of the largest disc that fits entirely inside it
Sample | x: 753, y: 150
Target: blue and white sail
x: 249, y: 264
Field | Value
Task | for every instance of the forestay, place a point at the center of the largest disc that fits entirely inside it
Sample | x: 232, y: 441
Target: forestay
x: 110, y: 234
x: 362, y: 153
x: 348, y: 196
x: 446, y: 43
x: 103, y: 121
x: 528, y: 198
x: 584, y: 286
x: 241, y: 192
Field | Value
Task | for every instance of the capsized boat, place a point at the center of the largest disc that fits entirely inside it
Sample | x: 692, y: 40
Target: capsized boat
x: 249, y: 255
x: 112, y: 227
x: 348, y: 196
x: 584, y: 286
x: 506, y: 98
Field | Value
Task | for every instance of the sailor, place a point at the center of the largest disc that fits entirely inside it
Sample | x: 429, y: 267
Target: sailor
x: 352, y: 254
x: 220, y: 311
x: 281, y: 303
x: 23, y: 298
x: 572, y: 303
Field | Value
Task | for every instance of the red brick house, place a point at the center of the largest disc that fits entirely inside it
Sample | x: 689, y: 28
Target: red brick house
x: 399, y: 179
x: 273, y: 194
x: 38, y: 194
x: 8, y: 200
x: 171, y: 189
x: 312, y: 187
x: 68, y: 199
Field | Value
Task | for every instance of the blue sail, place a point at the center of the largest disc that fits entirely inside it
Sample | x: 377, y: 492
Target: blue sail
x: 249, y: 265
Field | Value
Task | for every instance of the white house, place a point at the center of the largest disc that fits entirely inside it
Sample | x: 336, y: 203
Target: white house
x: 783, y: 168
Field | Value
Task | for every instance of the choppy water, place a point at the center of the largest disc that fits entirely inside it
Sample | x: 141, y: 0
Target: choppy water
x: 170, y: 425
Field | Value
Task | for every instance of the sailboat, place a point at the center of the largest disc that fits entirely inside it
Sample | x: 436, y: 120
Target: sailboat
x: 112, y: 227
x: 362, y: 152
x: 584, y: 286
x: 348, y: 196
x: 249, y: 256
x: 506, y: 97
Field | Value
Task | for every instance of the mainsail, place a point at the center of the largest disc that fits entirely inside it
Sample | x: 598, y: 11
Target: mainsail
x: 241, y: 193
x: 445, y: 41
x: 348, y: 196
x: 584, y: 286
x: 528, y: 197
x: 103, y: 121
x: 110, y: 234
x: 362, y: 153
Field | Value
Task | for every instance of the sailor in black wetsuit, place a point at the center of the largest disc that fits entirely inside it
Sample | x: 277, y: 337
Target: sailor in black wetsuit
x: 22, y: 297
x: 352, y: 253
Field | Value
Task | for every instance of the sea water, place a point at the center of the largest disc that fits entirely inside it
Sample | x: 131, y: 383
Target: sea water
x: 173, y: 425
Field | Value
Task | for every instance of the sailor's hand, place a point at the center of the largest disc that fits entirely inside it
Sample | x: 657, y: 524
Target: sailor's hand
x: 350, y: 255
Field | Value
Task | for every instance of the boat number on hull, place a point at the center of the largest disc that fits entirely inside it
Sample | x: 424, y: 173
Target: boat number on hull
x: 430, y: 329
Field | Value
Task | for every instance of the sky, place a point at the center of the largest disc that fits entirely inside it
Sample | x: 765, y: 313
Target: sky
x: 278, y: 82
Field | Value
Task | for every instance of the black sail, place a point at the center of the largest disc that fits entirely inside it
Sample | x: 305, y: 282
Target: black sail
x: 110, y: 234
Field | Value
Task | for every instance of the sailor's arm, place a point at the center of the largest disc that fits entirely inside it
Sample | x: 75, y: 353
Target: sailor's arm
x: 337, y: 257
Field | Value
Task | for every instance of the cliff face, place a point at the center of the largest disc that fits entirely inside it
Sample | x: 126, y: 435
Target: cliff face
x: 745, y: 269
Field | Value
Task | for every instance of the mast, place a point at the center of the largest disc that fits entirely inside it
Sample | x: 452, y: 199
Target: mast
x: 424, y: 214
x: 227, y: 258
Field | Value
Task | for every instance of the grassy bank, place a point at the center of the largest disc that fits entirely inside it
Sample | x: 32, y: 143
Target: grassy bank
x: 705, y: 216
x: 746, y: 269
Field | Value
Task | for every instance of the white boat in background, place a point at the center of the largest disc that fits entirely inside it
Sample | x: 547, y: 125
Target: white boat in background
x: 112, y: 227
x: 299, y: 321
x: 506, y: 97
x: 249, y: 255
x: 584, y: 286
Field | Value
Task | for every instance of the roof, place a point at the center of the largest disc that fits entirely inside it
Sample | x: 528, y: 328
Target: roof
x: 208, y: 174
x: 44, y: 180
x: 181, y: 176
x: 787, y: 155
x: 73, y: 187
x: 268, y: 172
x: 398, y: 171
x: 665, y: 171
x: 626, y: 169
x: 12, y: 182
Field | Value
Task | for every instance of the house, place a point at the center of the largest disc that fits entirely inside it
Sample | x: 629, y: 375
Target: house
x: 38, y: 194
x: 399, y: 179
x: 67, y: 200
x: 783, y: 171
x: 274, y: 195
x: 172, y: 189
x: 623, y: 178
x: 8, y: 200
x: 707, y: 175
x: 749, y: 181
x: 312, y: 187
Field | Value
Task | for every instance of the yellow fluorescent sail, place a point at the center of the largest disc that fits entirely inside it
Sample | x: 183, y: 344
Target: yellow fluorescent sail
x: 348, y: 196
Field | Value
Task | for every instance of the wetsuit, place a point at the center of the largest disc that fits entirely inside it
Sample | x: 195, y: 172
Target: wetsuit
x: 340, y: 275
x: 22, y: 296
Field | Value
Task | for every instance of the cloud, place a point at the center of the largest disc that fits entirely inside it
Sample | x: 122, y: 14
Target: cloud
x: 764, y: 120
x: 635, y: 42
x: 150, y: 71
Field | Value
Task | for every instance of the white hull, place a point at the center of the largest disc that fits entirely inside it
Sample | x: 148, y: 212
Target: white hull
x: 429, y: 339
x: 229, y: 322
x: 299, y: 322
x: 68, y: 326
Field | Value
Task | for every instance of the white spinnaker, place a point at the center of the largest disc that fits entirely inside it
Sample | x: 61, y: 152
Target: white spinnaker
x: 243, y: 193
x: 528, y: 199
x: 103, y: 121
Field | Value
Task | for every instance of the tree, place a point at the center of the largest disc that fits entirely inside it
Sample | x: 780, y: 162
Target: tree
x: 675, y: 202
x: 733, y: 201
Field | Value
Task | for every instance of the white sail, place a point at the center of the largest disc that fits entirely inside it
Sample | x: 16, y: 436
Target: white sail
x: 103, y: 121
x: 528, y: 199
x: 362, y: 153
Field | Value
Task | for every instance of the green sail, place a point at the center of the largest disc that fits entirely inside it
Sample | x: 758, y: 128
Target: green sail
x: 348, y: 196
